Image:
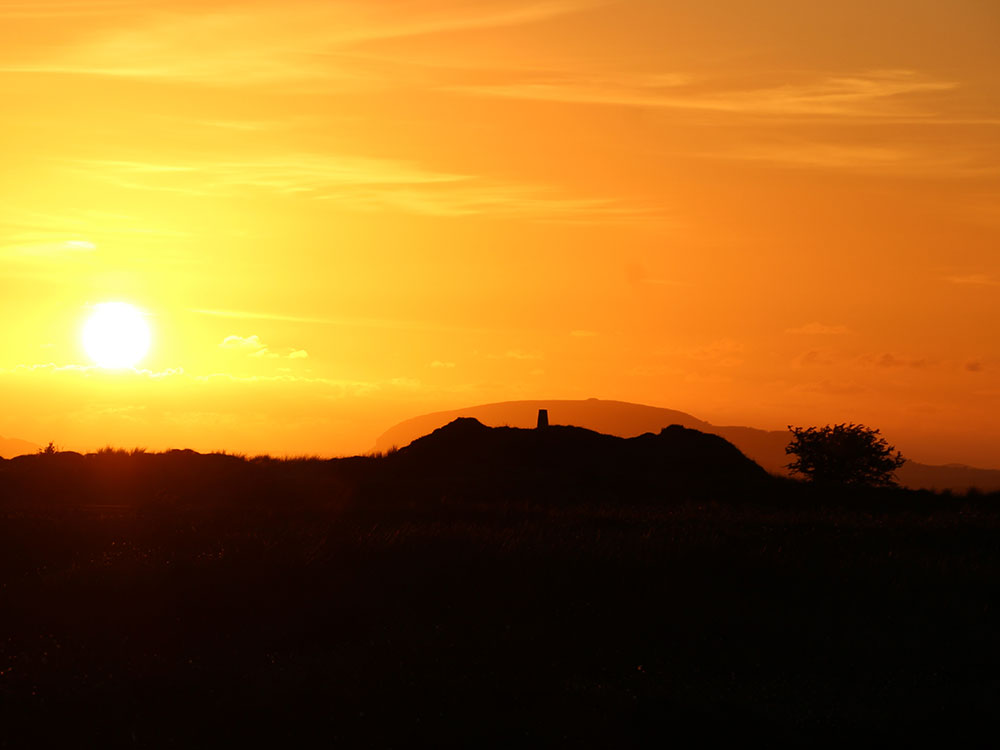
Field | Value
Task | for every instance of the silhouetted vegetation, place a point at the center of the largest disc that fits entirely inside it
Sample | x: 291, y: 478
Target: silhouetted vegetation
x: 765, y: 447
x: 483, y: 588
x: 845, y: 454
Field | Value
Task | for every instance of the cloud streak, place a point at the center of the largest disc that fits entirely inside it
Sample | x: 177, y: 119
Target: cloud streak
x: 351, y: 387
x: 243, y: 343
x: 92, y: 370
x: 363, y: 184
x: 346, y: 322
x: 45, y: 245
x: 900, y: 160
x: 973, y: 279
x: 43, y: 9
x: 317, y: 175
x: 240, y: 45
x: 254, y: 347
x: 874, y: 94
x: 819, y: 329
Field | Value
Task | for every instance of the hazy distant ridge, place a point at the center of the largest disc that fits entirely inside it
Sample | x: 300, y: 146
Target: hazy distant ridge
x: 624, y: 419
x: 609, y: 417
x: 10, y: 447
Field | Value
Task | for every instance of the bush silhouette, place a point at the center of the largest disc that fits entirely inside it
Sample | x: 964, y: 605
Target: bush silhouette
x: 844, y: 454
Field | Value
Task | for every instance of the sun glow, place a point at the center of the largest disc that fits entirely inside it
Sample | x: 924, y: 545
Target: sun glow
x: 116, y: 335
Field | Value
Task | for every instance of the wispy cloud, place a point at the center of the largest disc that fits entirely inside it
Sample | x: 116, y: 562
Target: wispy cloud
x: 347, y: 387
x: 889, y: 361
x: 830, y: 388
x: 515, y: 354
x: 93, y: 370
x: 723, y: 352
x: 363, y: 184
x: 866, y: 95
x: 237, y: 45
x: 636, y: 274
x: 513, y: 201
x: 318, y: 175
x: 254, y: 347
x: 243, y: 343
x: 973, y: 279
x: 249, y: 315
x: 342, y: 387
x: 896, y: 159
x: 45, y: 245
x: 28, y: 233
x: 43, y: 9
x: 819, y: 329
x: 344, y: 321
x: 814, y: 358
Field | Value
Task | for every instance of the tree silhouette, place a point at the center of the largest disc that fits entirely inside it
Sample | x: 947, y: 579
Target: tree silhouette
x: 847, y: 454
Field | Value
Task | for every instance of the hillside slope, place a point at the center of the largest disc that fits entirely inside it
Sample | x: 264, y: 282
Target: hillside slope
x: 572, y: 462
x: 765, y: 447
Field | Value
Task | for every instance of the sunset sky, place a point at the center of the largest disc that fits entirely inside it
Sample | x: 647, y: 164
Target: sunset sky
x: 338, y: 215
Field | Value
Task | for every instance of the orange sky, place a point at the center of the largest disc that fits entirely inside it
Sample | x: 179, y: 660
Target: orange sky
x: 339, y: 215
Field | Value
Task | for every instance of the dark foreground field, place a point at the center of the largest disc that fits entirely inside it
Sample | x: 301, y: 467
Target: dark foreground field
x: 178, y: 600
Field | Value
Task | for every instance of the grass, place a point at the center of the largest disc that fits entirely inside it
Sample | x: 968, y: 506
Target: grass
x: 176, y: 600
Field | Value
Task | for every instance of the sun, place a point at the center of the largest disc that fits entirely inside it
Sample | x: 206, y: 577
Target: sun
x: 116, y: 335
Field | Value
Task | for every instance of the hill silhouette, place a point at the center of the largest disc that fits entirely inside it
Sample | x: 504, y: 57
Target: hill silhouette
x: 609, y: 417
x: 486, y: 587
x: 624, y: 419
x: 565, y: 461
x: 10, y: 447
x: 464, y: 459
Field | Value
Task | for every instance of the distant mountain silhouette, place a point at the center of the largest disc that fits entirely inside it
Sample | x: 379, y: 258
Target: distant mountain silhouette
x: 572, y: 462
x: 948, y: 477
x: 609, y: 417
x: 623, y: 419
x: 10, y: 447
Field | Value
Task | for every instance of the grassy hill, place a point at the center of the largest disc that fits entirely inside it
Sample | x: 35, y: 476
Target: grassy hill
x: 766, y: 447
x: 449, y: 594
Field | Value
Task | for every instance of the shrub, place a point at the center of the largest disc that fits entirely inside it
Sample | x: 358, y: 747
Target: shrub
x: 848, y: 454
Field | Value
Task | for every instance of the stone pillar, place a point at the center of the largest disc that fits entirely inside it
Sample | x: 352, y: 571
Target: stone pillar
x: 543, y: 419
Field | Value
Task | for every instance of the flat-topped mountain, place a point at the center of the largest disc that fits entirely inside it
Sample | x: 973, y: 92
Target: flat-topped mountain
x: 624, y: 419
x: 609, y: 417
